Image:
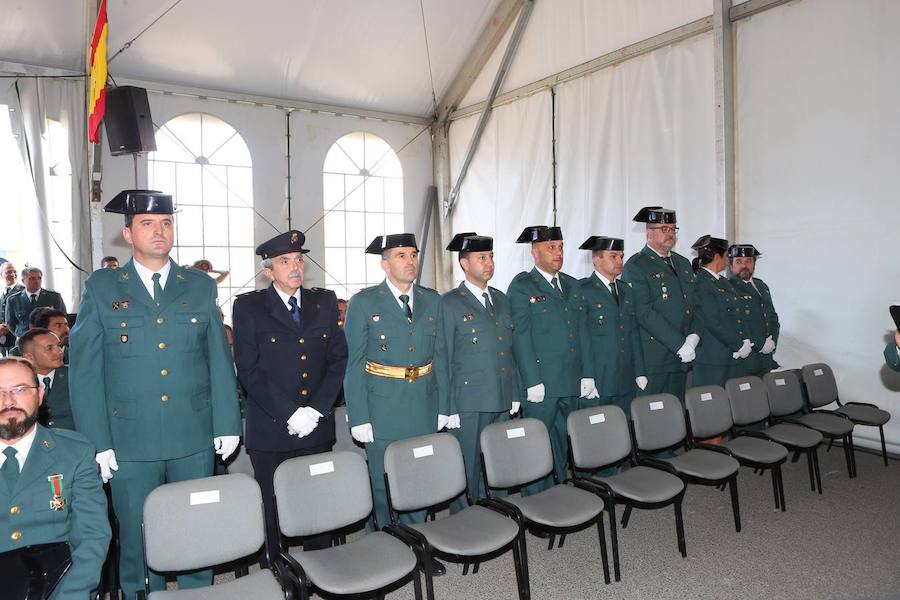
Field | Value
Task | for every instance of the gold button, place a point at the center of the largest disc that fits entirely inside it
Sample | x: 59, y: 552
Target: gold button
x: 273, y: 340
x: 193, y: 319
x: 115, y: 412
x: 160, y: 320
x: 164, y: 372
x: 304, y: 392
x: 16, y: 536
x: 302, y: 341
x: 502, y: 354
x: 465, y: 382
x: 499, y: 338
x: 302, y: 357
x: 162, y: 345
x: 411, y: 349
x: 503, y: 369
x: 49, y: 423
x: 164, y: 397
x: 123, y: 324
x: 306, y: 376
x: 15, y: 510
x: 324, y: 335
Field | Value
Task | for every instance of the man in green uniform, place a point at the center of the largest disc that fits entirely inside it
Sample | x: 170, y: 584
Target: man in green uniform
x: 892, y: 352
x: 390, y: 388
x: 49, y: 487
x: 611, y: 350
x: 8, y: 288
x: 759, y: 316
x: 44, y: 350
x: 663, y: 284
x: 476, y: 371
x: 548, y: 315
x: 19, y: 306
x: 151, y: 379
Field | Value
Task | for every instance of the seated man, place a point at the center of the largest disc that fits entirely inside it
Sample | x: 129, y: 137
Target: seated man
x: 44, y: 350
x: 45, y: 317
x: 49, y: 486
x: 19, y: 306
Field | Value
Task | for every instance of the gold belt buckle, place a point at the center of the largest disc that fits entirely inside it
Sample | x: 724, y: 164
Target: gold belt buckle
x: 412, y: 373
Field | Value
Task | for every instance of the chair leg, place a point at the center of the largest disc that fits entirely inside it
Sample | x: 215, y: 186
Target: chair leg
x: 614, y: 539
x: 775, y: 485
x: 520, y: 562
x: 679, y: 528
x: 735, y: 506
x: 626, y: 514
x: 883, y: 446
x: 815, y: 453
x: 417, y: 584
x: 603, y: 556
x: 849, y: 460
x: 830, y: 444
x: 465, y: 569
x: 781, y: 488
x: 425, y: 558
x: 562, y: 540
x: 551, y: 541
x: 853, y: 454
x: 809, y: 467
x: 796, y: 456
x: 475, y: 567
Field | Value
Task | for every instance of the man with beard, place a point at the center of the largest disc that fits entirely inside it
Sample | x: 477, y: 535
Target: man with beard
x: 759, y: 316
x: 289, y: 410
x: 476, y: 371
x: 49, y: 486
x: 548, y: 314
x: 10, y: 287
x: 663, y: 283
x: 44, y: 350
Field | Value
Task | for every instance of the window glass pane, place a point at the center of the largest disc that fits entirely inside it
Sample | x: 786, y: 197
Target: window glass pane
x: 240, y: 186
x: 374, y: 272
x: 353, y: 147
x: 168, y: 147
x: 162, y: 174
x: 356, y: 268
x: 375, y: 225
x: 394, y: 223
x: 214, y: 133
x: 355, y: 193
x: 337, y: 161
x: 356, y: 232
x: 335, y: 263
x: 218, y: 257
x: 243, y: 267
x: 189, y: 189
x: 393, y: 195
x: 334, y: 229
x: 240, y: 226
x: 215, y: 225
x: 374, y: 194
x: 234, y: 152
x: 215, y: 190
x: 189, y: 226
x: 185, y: 132
x: 333, y: 191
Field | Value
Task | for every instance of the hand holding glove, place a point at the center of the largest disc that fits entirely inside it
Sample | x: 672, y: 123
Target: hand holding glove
x: 744, y: 350
x: 641, y: 382
x: 515, y: 407
x: 535, y: 393
x: 686, y: 352
x: 225, y: 445
x: 768, y: 346
x: 304, y: 420
x: 363, y: 433
x: 107, y: 462
x: 589, y: 388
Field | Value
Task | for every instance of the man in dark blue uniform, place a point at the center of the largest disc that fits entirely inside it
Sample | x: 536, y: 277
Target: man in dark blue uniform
x: 291, y: 354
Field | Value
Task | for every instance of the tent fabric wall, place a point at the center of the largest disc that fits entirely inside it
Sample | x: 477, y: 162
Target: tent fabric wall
x: 816, y: 97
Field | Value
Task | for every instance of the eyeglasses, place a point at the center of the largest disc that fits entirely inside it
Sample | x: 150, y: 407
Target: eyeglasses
x: 17, y: 392
x: 666, y: 229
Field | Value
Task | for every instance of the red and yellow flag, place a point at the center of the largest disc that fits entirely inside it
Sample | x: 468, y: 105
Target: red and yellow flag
x: 97, y: 102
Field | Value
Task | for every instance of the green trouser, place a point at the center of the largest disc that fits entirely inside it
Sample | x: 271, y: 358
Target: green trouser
x: 623, y: 401
x: 131, y: 485
x: 704, y: 374
x: 375, y: 456
x: 552, y: 412
x: 665, y: 382
x: 469, y: 437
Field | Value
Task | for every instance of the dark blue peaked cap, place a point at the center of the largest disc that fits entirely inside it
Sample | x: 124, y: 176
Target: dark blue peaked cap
x: 283, y: 243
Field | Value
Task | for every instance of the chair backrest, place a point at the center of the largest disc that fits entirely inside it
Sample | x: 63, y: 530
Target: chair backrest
x: 204, y: 522
x: 342, y: 438
x: 820, y: 384
x: 598, y: 436
x: 709, y: 410
x: 516, y: 452
x: 658, y: 421
x: 321, y: 492
x: 783, y: 392
x: 424, y: 471
x: 748, y: 400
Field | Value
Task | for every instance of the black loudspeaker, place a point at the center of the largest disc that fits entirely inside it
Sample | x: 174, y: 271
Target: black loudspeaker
x: 129, y: 127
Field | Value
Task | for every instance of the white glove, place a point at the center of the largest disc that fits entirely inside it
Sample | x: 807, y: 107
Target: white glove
x: 589, y: 388
x: 686, y: 352
x: 442, y: 421
x: 303, y: 421
x: 768, y: 346
x: 108, y: 464
x: 453, y: 422
x: 693, y: 339
x: 225, y: 445
x: 641, y: 382
x: 515, y: 407
x: 535, y: 393
x: 363, y: 433
x: 744, y: 351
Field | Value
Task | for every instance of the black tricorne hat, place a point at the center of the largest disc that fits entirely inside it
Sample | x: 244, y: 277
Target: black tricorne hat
x: 283, y: 243
x: 539, y: 233
x: 470, y: 242
x: 743, y: 250
x: 393, y: 240
x: 140, y: 202
x: 715, y: 243
x: 601, y: 242
x: 655, y: 215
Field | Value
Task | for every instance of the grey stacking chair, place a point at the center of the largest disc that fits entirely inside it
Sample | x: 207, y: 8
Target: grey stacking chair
x: 658, y: 425
x: 785, y: 398
x: 201, y: 523
x: 822, y: 389
x: 427, y: 471
x: 342, y: 438
x: 516, y: 453
x: 711, y: 412
x: 328, y: 492
x: 598, y: 438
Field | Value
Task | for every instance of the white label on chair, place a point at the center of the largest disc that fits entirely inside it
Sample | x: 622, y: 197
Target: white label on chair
x: 779, y: 382
x: 598, y: 418
x: 656, y: 405
x: 423, y: 451
x: 515, y: 432
x: 209, y: 497
x: 744, y: 387
x: 705, y: 396
x: 818, y: 372
x: 321, y: 468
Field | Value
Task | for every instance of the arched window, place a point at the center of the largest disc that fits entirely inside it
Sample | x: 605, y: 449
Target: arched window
x: 205, y: 164
x: 363, y: 198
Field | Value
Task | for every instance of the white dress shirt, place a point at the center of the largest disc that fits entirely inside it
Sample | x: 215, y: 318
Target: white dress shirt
x: 477, y: 291
x: 550, y: 278
x: 397, y: 293
x: 51, y: 375
x: 606, y: 281
x: 285, y: 298
x: 23, y: 447
x: 146, y: 275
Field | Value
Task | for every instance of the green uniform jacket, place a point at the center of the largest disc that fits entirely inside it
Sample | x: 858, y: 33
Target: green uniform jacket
x: 718, y: 316
x: 476, y: 370
x: 56, y: 410
x: 377, y: 330
x: 10, y: 338
x: 664, y: 306
x: 19, y: 307
x: 891, y: 356
x: 547, y: 334
x: 611, y: 350
x: 151, y: 382
x: 83, y: 521
x: 761, y: 320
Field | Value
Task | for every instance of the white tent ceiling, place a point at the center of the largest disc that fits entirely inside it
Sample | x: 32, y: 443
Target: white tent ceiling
x: 354, y: 53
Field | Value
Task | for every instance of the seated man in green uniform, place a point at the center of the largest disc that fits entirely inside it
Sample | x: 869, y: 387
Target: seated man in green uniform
x: 389, y: 387
x: 49, y: 487
x: 151, y: 380
x: 761, y: 320
x: 663, y: 284
x: 548, y: 315
x: 611, y: 350
x: 892, y: 352
x: 44, y: 350
x: 8, y: 288
x: 476, y: 371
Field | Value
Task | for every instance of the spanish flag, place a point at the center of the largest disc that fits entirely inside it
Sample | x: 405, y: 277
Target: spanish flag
x: 97, y: 102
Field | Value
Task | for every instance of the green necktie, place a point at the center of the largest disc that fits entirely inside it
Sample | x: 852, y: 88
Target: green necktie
x: 157, y: 289
x: 488, y: 304
x: 10, y: 468
x: 405, y: 300
x: 668, y: 261
x: 614, y: 290
x: 555, y: 283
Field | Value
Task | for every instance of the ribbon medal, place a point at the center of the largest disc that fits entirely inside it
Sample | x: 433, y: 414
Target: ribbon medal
x: 56, y: 487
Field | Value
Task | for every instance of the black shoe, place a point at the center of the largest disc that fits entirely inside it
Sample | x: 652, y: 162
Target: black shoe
x: 437, y: 568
